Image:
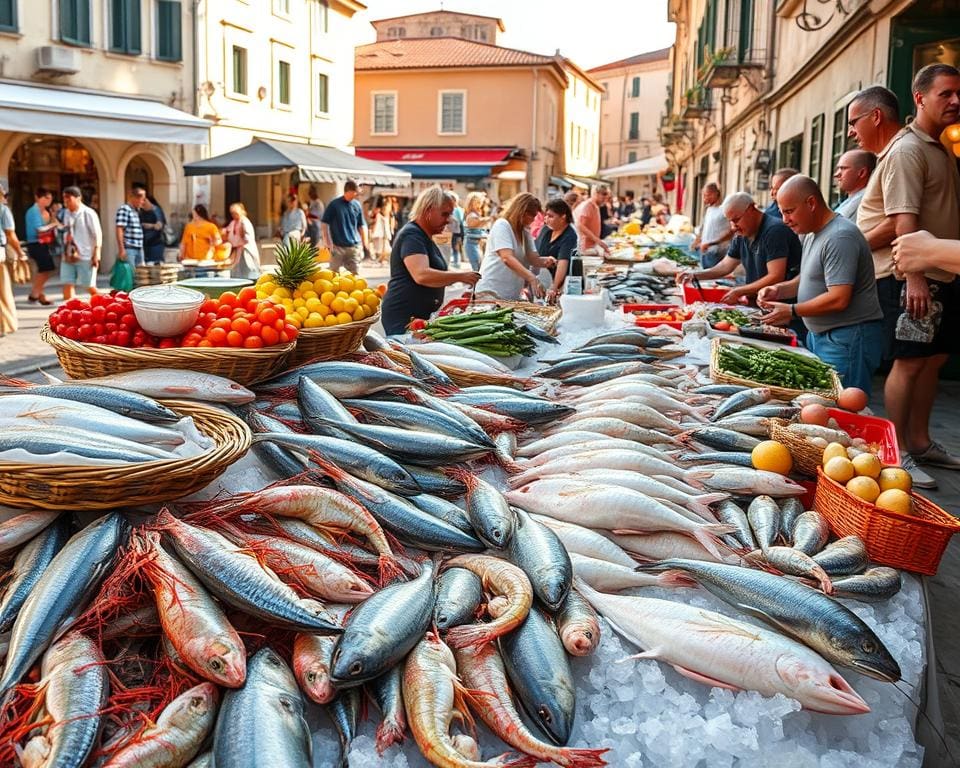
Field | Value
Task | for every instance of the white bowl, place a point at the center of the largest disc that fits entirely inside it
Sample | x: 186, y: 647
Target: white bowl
x: 166, y: 310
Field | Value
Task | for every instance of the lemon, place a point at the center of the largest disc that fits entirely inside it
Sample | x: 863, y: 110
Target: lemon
x: 314, y: 321
x: 357, y: 295
x: 337, y: 305
x: 371, y: 300
x: 350, y: 305
x: 868, y: 465
x: 359, y: 283
x: 325, y: 274
x: 281, y: 292
x: 312, y: 303
x: 267, y: 286
x: 346, y: 283
x: 896, y: 501
x: 323, y: 310
x: 321, y: 286
x: 303, y: 312
x: 772, y: 457
x: 327, y: 298
x: 306, y: 285
x: 330, y: 320
x: 311, y: 294
x: 343, y: 295
x: 299, y: 302
x: 343, y: 317
x: 839, y: 468
x: 895, y: 478
x: 833, y: 450
x: 865, y: 488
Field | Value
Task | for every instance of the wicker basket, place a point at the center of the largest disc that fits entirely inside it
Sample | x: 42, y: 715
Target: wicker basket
x: 464, y: 378
x: 544, y: 317
x: 89, y: 488
x: 244, y: 366
x: 329, y: 343
x: 807, y: 458
x: 912, y: 542
x: 783, y: 393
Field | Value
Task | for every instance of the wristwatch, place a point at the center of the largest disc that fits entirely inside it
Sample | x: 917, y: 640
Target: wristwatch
x: 793, y: 311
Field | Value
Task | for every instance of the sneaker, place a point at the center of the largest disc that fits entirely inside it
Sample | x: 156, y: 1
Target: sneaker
x: 920, y: 478
x: 936, y: 456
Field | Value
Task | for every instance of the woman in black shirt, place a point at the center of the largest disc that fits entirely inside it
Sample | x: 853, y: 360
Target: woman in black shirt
x: 558, y: 238
x: 418, y: 271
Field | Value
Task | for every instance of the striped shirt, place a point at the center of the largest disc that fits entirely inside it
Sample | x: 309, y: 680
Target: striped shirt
x: 129, y: 219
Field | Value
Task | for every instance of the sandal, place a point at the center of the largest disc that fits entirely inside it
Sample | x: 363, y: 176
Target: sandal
x: 42, y: 299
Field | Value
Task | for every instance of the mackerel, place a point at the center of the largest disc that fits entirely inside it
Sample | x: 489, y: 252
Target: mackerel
x: 539, y: 553
x: 740, y: 401
x: 23, y: 526
x: 171, y: 383
x: 28, y: 567
x: 844, y: 557
x: 341, y: 378
x: 459, y: 598
x: 871, y: 586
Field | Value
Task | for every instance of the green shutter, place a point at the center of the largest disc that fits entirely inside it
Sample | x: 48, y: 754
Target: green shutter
x: 125, y: 26
x: 75, y: 21
x: 169, y: 30
x: 8, y: 15
x: 283, y: 78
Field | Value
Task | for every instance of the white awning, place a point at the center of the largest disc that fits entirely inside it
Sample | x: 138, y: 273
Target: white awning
x: 647, y: 167
x: 60, y: 112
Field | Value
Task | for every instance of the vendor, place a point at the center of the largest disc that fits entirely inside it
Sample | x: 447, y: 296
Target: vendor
x: 418, y: 271
x: 836, y: 292
x: 511, y: 256
x: 766, y: 247
x: 558, y: 239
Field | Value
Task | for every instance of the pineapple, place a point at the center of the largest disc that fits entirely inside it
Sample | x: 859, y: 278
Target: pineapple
x: 296, y: 262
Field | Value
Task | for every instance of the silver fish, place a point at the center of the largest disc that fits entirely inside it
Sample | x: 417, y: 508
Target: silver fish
x: 538, y: 552
x: 605, y: 373
x: 387, y: 691
x: 342, y: 379
x: 522, y: 409
x: 844, y: 557
x: 23, y: 526
x: 740, y: 401
x: 459, y: 597
x: 470, y: 427
x: 315, y: 401
x: 790, y: 510
x: 119, y: 401
x: 720, y: 389
x: 793, y: 562
x: 488, y: 511
x: 721, y: 439
x: 443, y: 510
x: 871, y: 586
x: 740, y: 480
x: 747, y: 425
x: 730, y: 513
x: 172, y: 383
x: 28, y: 567
x: 49, y: 441
x: 735, y: 458
x: 764, y: 517
x: 771, y: 411
x: 344, y: 710
x: 435, y: 482
x: 810, y: 532
x: 285, y: 462
x: 618, y: 428
x: 573, y: 366
x: 428, y: 372
x: 409, y: 416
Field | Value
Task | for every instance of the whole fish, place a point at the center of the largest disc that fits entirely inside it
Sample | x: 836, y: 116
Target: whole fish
x: 435, y: 482
x: 721, y: 439
x: 283, y: 461
x: 609, y: 577
x: 743, y: 481
x: 608, y: 458
x: 75, y: 684
x: 764, y: 517
x: 873, y: 585
x: 633, y: 413
x: 62, y: 592
x: 586, y: 541
x: 641, y: 394
x: 844, y: 557
x: 771, y: 411
x: 740, y: 401
x: 488, y: 511
x: 440, y: 348
x: 657, y: 546
x: 730, y: 513
x: 312, y: 655
x: 327, y: 543
x: 720, y: 389
x: 623, y: 350
x: 540, y: 554
x: 22, y: 527
x: 73, y: 447
x: 825, y: 625
x: 550, y: 446
x: 236, y: 577
x: 597, y: 443
x: 735, y: 458
x: 341, y: 378
x: 459, y: 598
x: 380, y: 631
x: 28, y: 566
x: 344, y: 711
x: 617, y: 428
x: 790, y: 510
x: 387, y: 691
x: 539, y: 671
x: 578, y: 625
x: 488, y: 419
x: 171, y: 383
x: 605, y: 389
x: 522, y: 409
x: 426, y: 371
x: 747, y: 425
x: 177, y: 735
x: 407, y: 415
x: 824, y: 433
x: 261, y: 725
x: 575, y: 365
x: 443, y: 510
x: 793, y: 562
x: 459, y: 363
x: 719, y: 651
x: 472, y: 430
x: 119, y: 401
x: 633, y: 336
x: 810, y: 533
x: 315, y: 402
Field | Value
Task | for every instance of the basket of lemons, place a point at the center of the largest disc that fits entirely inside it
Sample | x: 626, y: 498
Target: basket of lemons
x: 332, y: 310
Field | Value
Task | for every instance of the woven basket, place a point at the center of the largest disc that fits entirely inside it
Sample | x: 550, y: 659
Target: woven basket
x: 544, y: 317
x: 244, y: 366
x: 912, y: 542
x: 464, y: 378
x: 807, y: 458
x: 61, y: 487
x: 314, y: 344
x: 782, y: 393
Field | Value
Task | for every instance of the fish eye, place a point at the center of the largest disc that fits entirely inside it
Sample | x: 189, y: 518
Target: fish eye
x: 216, y: 665
x: 311, y: 677
x: 868, y: 646
x: 356, y: 668
x: 545, y: 715
x: 588, y: 634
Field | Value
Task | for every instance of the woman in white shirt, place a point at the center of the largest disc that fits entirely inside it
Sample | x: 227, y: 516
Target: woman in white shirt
x: 510, y: 261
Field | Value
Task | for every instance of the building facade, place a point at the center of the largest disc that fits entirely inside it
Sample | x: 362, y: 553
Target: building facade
x: 98, y: 95
x: 467, y: 26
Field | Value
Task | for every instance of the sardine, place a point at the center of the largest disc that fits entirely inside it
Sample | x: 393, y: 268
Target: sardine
x: 721, y: 439
x: 730, y: 513
x: 488, y: 511
x: 771, y: 411
x: 315, y: 402
x: 740, y: 401
x: 472, y: 430
x: 387, y: 691
x: 747, y: 425
x: 423, y: 369
x: 73, y: 447
x: 790, y: 510
x: 172, y: 383
x: 810, y: 533
x: 724, y: 390
x: 532, y: 412
x: 539, y: 553
x: 341, y: 378
x: 734, y: 458
x: 764, y: 517
x: 28, y: 566
x: 576, y: 365
x: 459, y: 597
x: 443, y: 510
x: 844, y: 557
x: 409, y: 416
x: 873, y: 585
x: 122, y: 402
x: 793, y: 562
x: 22, y: 527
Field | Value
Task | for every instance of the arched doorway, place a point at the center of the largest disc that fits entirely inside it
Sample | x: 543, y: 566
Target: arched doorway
x: 53, y: 162
x: 138, y: 172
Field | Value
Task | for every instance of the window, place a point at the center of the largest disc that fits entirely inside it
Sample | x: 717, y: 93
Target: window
x: 816, y: 147
x: 281, y: 7
x: 238, y: 60
x: 606, y: 91
x: 740, y: 30
x: 631, y: 157
x: 75, y: 21
x: 397, y: 32
x: 321, y: 17
x: 634, y: 126
x: 453, y: 112
x: 283, y: 83
x: 384, y: 113
x: 8, y: 15
x: 436, y: 31
x: 125, y: 26
x: 790, y: 152
x: 169, y: 35
x: 635, y: 88
x: 323, y: 93
x: 841, y: 143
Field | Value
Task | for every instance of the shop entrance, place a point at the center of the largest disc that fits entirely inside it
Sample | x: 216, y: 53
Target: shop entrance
x: 926, y: 33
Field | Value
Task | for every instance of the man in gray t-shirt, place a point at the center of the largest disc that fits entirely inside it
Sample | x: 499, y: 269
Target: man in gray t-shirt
x: 836, y: 291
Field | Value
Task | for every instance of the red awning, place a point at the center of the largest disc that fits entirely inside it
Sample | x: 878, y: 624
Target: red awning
x: 438, y: 156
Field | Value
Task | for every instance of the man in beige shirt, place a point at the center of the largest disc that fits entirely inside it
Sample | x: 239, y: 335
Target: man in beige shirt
x: 915, y: 186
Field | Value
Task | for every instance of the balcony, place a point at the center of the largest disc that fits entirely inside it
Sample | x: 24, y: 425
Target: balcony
x: 724, y: 68
x: 696, y: 103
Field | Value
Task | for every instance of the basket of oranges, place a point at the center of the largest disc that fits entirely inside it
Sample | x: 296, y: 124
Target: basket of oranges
x: 332, y: 311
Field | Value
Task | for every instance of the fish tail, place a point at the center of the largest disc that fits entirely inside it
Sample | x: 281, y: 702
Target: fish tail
x: 388, y: 734
x: 581, y: 758
x: 826, y: 586
x: 470, y: 636
x: 9, y: 381
x: 709, y: 536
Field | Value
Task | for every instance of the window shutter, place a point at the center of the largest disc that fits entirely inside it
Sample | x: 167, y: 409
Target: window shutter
x: 8, y: 15
x: 169, y: 30
x: 133, y: 26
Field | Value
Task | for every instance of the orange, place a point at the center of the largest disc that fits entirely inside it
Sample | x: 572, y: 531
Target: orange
x: 772, y: 457
x: 270, y: 335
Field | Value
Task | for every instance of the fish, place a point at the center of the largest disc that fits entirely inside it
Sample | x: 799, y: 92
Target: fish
x: 720, y: 389
x: 344, y: 711
x: 458, y: 363
x: 236, y: 577
x: 490, y: 421
x: 578, y: 625
x: 327, y: 543
x: 717, y: 650
x: 312, y: 655
x: 387, y: 691
x: 609, y: 577
x: 171, y: 383
x: 575, y: 365
x: 796, y: 563
x: 262, y: 724
x: 316, y: 402
x: 746, y: 482
x: 824, y: 433
x: 284, y: 411
x: 541, y: 555
x: 790, y: 510
x: 24, y: 526
x: 28, y: 566
x: 505, y: 447
x: 119, y: 401
x: 643, y: 394
x: 341, y: 379
x: 606, y: 458
x: 740, y: 401
x: 810, y: 533
x: 615, y: 349
x: 721, y: 439
x: 814, y: 619
x: 617, y: 428
x: 597, y: 443
x: 873, y: 585
x: 539, y: 671
x: 407, y: 415
x: 196, y: 626
x: 524, y: 409
x: 204, y: 760
x: 472, y: 430
x: 634, y: 413
x: 62, y: 445
x: 771, y: 411
x: 61, y: 593
x: 633, y: 336
x: 177, y: 735
x: 75, y: 684
x: 763, y: 515
x: 730, y: 513
x: 459, y: 598
x: 283, y: 461
x: 443, y: 510
x: 426, y: 371
x: 483, y: 670
x: 443, y: 349
x: 488, y: 511
x: 843, y: 557
x: 585, y: 541
x: 657, y: 546
x: 735, y: 458
x: 435, y: 482
x: 748, y: 425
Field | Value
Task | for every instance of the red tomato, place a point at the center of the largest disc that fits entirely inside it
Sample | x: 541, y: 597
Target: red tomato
x: 75, y: 304
x: 252, y: 306
x: 235, y: 339
x: 270, y: 335
x: 222, y: 322
x: 228, y: 298
x: 225, y: 310
x: 207, y: 319
x: 204, y: 343
x: 130, y: 321
x: 246, y: 294
x: 210, y: 305
x: 291, y: 331
x: 167, y: 343
x: 268, y: 315
x: 241, y: 325
x: 217, y: 336
x: 85, y: 332
x: 252, y: 342
x: 123, y: 338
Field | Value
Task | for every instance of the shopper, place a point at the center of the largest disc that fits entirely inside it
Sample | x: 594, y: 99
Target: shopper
x: 573, y: 199
x: 128, y: 230
x: 474, y: 228
x: 558, y: 239
x: 379, y: 231
x: 587, y: 221
x: 11, y: 251
x: 82, y: 247
x: 293, y: 222
x: 242, y: 237
x: 314, y: 215
x: 201, y: 236
x: 776, y: 181
x: 457, y: 225
x: 915, y: 186
x: 344, y: 230
x: 715, y: 232
x: 835, y: 291
x: 510, y: 260
x: 152, y: 221
x: 40, y: 234
x: 629, y: 207
x: 418, y: 272
x: 768, y: 250
x: 853, y: 173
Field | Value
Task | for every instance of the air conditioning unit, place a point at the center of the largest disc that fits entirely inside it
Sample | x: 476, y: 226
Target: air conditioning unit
x: 57, y: 60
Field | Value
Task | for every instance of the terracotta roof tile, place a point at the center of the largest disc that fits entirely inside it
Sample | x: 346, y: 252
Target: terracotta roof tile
x: 429, y: 52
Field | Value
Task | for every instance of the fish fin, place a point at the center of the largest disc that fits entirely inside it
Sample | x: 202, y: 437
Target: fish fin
x: 9, y: 381
x: 461, y: 711
x: 174, y: 389
x: 51, y: 379
x: 708, y: 536
x: 675, y: 578
x: 700, y: 678
x: 653, y: 653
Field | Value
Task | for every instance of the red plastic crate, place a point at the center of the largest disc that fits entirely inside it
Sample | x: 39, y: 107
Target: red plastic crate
x: 691, y: 295
x: 454, y: 304
x: 630, y: 308
x: 807, y: 498
x: 873, y: 429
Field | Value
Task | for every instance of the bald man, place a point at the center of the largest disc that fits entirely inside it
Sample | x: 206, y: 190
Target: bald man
x: 852, y: 174
x: 836, y: 292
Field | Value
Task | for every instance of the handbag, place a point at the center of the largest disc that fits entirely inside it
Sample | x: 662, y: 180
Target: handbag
x: 71, y: 254
x: 46, y: 236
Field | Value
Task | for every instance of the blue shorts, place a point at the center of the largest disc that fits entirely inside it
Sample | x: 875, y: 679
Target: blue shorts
x: 80, y: 273
x: 135, y: 255
x: 854, y: 350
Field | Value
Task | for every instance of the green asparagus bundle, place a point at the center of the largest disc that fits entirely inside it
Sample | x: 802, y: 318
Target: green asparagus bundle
x: 494, y: 332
